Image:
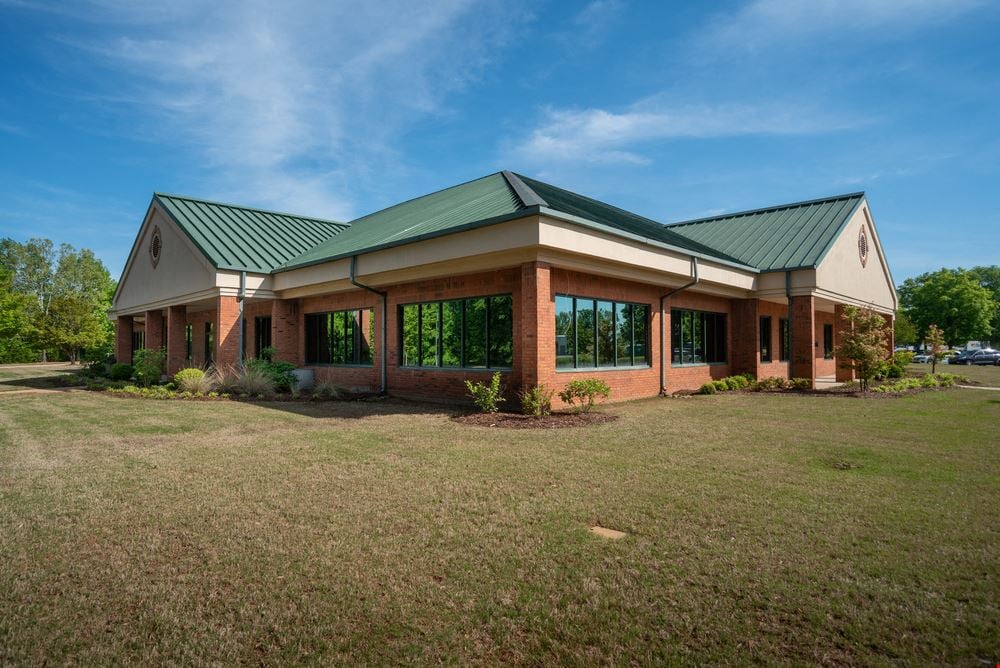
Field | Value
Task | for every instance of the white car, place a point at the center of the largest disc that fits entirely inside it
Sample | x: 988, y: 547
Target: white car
x: 923, y: 358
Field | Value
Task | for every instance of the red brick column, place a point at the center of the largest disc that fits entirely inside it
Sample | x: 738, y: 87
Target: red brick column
x: 891, y: 334
x: 154, y: 330
x: 123, y: 339
x: 534, y: 348
x: 285, y: 331
x: 841, y: 325
x: 176, y: 345
x: 745, y: 354
x: 227, y: 331
x: 803, y: 338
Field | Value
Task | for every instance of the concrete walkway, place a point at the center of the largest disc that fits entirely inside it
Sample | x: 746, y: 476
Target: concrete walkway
x: 979, y: 387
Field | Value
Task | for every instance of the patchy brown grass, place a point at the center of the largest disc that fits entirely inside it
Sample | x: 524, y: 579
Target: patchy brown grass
x: 760, y: 528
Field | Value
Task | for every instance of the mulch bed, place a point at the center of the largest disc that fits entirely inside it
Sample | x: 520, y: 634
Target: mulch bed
x: 518, y: 421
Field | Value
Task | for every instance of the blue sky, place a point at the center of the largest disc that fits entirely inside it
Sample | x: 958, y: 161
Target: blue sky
x: 673, y: 110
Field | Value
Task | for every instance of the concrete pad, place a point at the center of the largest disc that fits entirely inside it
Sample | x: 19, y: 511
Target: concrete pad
x: 605, y: 532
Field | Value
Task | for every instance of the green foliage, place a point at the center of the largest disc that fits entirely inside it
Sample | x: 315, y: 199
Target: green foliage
x: 160, y: 392
x: 328, y: 390
x: 121, y: 371
x: 280, y: 373
x: 895, y: 366
x: 147, y: 365
x: 581, y: 393
x: 721, y: 385
x: 770, y: 383
x: 245, y: 381
x: 487, y: 397
x: 989, y: 278
x: 904, y: 331
x: 537, y: 401
x: 14, y: 346
x: 800, y: 384
x: 935, y: 344
x: 953, y: 299
x: 864, y: 343
x: 194, y: 380
x: 708, y: 388
x: 729, y: 383
x: 927, y: 381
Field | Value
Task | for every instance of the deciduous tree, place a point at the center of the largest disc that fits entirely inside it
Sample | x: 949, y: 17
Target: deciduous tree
x: 953, y: 299
x: 864, y: 343
x: 935, y: 344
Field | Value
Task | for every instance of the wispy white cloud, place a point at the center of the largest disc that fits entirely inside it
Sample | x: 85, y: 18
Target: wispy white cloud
x: 591, y: 24
x: 11, y: 129
x: 286, y: 102
x: 602, y: 136
x: 762, y: 24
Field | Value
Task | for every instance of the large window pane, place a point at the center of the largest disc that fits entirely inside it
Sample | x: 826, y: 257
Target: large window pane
x: 451, y: 334
x: 623, y: 334
x: 366, y: 334
x: 338, y: 336
x: 475, y: 332
x: 676, y: 336
x: 605, y: 334
x: 411, y: 335
x: 765, y: 339
x: 640, y: 346
x: 783, y: 334
x: 585, y: 333
x: 501, y: 332
x: 429, y: 334
x: 565, y: 333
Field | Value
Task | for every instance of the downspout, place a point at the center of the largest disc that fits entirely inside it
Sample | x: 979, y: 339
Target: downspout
x: 240, y: 299
x: 663, y: 298
x: 383, y: 355
x: 788, y: 298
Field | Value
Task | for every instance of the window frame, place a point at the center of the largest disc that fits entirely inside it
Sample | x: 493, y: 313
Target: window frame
x: 766, y: 349
x: 827, y: 341
x: 261, y: 334
x: 421, y: 307
x: 188, y: 342
x: 209, y: 342
x: 357, y: 338
x: 595, y: 303
x: 700, y: 318
x: 785, y: 340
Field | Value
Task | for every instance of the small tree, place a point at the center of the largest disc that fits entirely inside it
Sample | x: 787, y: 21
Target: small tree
x: 864, y: 344
x: 935, y: 344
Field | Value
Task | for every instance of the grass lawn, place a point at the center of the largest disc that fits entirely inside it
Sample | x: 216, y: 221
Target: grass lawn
x: 983, y: 375
x: 27, y: 376
x: 761, y: 528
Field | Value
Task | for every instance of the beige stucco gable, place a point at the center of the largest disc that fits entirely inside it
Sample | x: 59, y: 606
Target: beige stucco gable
x: 182, y: 271
x: 843, y: 277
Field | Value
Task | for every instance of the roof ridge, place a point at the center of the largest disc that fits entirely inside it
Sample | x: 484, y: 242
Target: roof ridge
x: 591, y: 199
x: 766, y: 209
x: 188, y: 198
x: 525, y: 193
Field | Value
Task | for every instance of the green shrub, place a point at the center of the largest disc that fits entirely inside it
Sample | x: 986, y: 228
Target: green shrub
x: 736, y: 382
x: 720, y: 385
x: 801, y: 383
x: 328, y: 390
x: 279, y: 372
x: 537, y: 401
x: 194, y: 380
x: 147, y: 365
x: 708, y: 388
x: 584, y: 392
x: 487, y: 397
x: 121, y: 371
x: 770, y: 383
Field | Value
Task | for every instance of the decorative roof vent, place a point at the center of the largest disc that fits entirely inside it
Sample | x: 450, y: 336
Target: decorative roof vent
x: 155, y: 246
x: 863, y: 246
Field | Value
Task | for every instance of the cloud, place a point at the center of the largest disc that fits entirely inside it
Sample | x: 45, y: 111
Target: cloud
x: 763, y: 24
x: 284, y: 102
x: 606, y: 137
x: 11, y: 129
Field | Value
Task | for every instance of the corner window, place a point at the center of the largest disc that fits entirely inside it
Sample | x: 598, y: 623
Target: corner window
x: 765, y: 339
x: 828, y: 342
x: 261, y: 334
x: 786, y: 341
x: 138, y: 340
x: 592, y: 333
x: 339, y: 337
x: 474, y: 333
x: 209, y: 342
x: 697, y: 337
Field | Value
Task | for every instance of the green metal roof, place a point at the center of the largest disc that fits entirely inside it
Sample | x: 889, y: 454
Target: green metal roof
x: 790, y: 236
x: 574, y: 204
x: 448, y: 210
x: 244, y: 239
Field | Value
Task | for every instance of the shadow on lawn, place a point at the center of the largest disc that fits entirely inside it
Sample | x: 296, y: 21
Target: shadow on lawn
x: 372, y: 407
x: 55, y: 380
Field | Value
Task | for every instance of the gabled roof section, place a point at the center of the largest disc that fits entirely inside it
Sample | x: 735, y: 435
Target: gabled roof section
x: 778, y: 238
x: 580, y: 206
x: 245, y: 239
x: 449, y: 210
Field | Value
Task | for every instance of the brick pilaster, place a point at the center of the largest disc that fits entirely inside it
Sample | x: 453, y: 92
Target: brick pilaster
x: 285, y: 331
x: 534, y: 350
x: 840, y: 325
x: 123, y: 339
x: 804, y: 337
x: 154, y: 330
x: 176, y: 344
x: 891, y: 334
x: 227, y: 331
x: 745, y: 354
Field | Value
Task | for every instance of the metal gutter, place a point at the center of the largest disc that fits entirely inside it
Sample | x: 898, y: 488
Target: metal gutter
x: 240, y: 298
x: 383, y: 354
x: 663, y: 360
x: 788, y: 296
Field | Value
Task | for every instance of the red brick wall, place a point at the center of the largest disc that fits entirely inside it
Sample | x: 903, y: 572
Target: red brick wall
x: 285, y: 331
x: 804, y: 337
x: 176, y: 347
x: 776, y: 367
x: 123, y: 339
x: 745, y: 325
x: 154, y: 330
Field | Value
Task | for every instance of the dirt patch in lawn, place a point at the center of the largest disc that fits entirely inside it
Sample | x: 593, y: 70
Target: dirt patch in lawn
x: 518, y: 421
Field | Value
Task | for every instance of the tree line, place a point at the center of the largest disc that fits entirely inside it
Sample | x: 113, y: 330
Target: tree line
x: 53, y: 303
x: 964, y: 304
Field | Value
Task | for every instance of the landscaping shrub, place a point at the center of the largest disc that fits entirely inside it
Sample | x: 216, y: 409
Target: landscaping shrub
x: 720, y: 385
x: 245, y: 381
x: 487, y: 397
x: 328, y: 390
x: 194, y: 380
x: 770, y: 383
x: 121, y: 371
x: 279, y: 372
x: 537, y: 401
x: 736, y: 382
x: 801, y: 384
x: 96, y: 369
x: 708, y: 388
x: 147, y: 365
x: 584, y: 392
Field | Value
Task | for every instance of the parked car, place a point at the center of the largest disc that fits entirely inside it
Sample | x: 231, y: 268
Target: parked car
x: 977, y: 357
x: 922, y: 358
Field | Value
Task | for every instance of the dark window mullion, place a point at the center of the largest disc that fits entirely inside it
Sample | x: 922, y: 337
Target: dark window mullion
x: 462, y: 344
x: 440, y: 333
x: 489, y: 361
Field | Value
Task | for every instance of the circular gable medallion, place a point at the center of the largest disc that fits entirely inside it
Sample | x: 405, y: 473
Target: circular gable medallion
x: 863, y: 246
x: 155, y: 246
